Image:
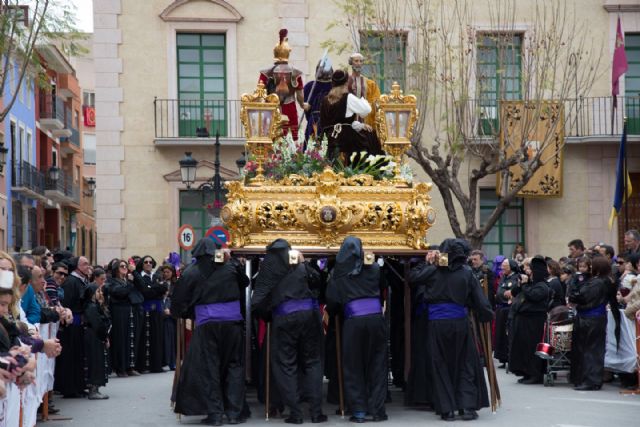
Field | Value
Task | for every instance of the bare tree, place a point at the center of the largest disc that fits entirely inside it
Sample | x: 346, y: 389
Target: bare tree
x: 24, y: 25
x: 552, y: 58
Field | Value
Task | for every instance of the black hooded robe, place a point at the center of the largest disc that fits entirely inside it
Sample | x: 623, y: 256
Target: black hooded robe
x: 212, y: 376
x: 364, y: 335
x: 69, y: 371
x: 529, y: 310
x: 96, y: 332
x: 503, y: 305
x: 454, y: 366
x: 589, y: 331
x: 150, y: 350
x: 296, y: 337
x: 122, y: 318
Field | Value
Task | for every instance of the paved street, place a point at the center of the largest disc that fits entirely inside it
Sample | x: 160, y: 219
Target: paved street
x: 144, y: 401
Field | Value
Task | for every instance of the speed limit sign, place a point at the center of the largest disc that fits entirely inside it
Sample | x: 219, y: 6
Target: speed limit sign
x: 186, y: 237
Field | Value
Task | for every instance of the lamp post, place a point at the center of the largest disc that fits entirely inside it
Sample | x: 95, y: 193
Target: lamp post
x: 91, y: 187
x: 241, y: 162
x: 188, y: 169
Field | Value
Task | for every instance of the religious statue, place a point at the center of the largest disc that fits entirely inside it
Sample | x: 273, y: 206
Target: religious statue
x: 363, y: 87
x: 286, y: 82
x: 339, y: 115
x: 314, y: 93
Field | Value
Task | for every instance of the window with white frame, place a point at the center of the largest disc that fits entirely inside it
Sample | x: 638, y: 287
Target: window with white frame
x: 89, y: 148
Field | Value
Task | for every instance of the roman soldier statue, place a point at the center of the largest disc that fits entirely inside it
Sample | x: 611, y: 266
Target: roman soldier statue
x: 286, y: 82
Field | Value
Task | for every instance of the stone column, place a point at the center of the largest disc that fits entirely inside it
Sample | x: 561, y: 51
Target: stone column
x: 109, y: 126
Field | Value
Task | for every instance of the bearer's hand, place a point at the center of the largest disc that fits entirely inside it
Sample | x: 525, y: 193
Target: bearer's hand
x: 306, y: 106
x: 368, y: 128
x: 227, y: 254
x: 432, y: 256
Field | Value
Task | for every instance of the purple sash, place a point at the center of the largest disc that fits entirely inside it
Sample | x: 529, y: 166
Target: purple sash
x: 218, y: 312
x: 152, y: 305
x: 598, y: 311
x: 362, y: 307
x: 295, y: 305
x: 446, y: 310
x: 77, y: 319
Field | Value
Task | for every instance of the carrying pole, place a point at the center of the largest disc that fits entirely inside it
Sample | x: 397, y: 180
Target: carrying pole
x: 339, y: 360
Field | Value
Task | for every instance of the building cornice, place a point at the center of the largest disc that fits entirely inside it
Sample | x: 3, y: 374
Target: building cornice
x: 622, y: 8
x: 166, y: 13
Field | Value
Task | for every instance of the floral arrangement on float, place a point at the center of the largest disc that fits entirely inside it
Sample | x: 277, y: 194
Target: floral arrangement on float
x: 290, y: 157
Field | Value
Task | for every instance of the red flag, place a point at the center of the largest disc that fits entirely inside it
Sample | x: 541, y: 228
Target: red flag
x: 620, y: 64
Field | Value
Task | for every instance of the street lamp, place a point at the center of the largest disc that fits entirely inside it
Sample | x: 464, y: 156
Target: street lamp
x: 3, y: 156
x: 91, y: 187
x: 54, y: 173
x: 241, y: 162
x: 188, y: 167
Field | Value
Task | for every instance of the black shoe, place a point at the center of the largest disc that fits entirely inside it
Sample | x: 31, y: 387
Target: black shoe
x: 448, y: 416
x: 586, y: 387
x: 469, y: 414
x: 502, y: 365
x: 354, y: 419
x: 212, y: 420
x: 235, y: 420
x: 134, y: 373
x: 533, y: 380
x: 380, y: 417
x: 319, y: 419
x: 523, y: 379
x: 293, y: 420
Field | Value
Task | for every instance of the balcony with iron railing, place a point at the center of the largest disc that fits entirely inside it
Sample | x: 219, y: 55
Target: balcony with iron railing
x: 71, y: 144
x: 63, y: 190
x: 195, y: 122
x: 585, y: 118
x: 27, y: 180
x: 51, y: 109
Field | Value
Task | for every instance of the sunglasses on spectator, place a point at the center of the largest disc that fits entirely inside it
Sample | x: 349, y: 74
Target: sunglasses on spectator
x: 148, y: 262
x: 48, y: 254
x: 123, y: 266
x: 621, y: 262
x: 61, y: 273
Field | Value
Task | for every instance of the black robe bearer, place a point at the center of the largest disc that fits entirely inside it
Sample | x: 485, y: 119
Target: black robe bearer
x: 150, y: 350
x: 69, y: 372
x: 529, y: 310
x: 283, y: 293
x: 97, y: 324
x: 503, y: 305
x: 212, y: 377
x: 589, y: 330
x: 454, y: 366
x: 122, y: 332
x: 355, y: 291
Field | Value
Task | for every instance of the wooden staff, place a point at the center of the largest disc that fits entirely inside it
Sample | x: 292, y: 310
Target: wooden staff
x: 267, y: 374
x: 339, y: 360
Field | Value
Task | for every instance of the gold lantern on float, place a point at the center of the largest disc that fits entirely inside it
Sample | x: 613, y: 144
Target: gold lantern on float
x: 395, y: 121
x: 260, y: 115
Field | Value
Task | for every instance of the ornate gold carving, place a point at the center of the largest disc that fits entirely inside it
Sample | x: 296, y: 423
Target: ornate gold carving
x: 396, y: 117
x: 318, y: 212
x: 262, y: 120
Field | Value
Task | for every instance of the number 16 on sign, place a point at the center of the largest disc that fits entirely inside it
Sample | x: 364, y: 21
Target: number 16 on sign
x: 186, y: 237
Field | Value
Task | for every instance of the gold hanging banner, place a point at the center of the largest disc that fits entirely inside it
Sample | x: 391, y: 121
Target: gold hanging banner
x: 539, y: 125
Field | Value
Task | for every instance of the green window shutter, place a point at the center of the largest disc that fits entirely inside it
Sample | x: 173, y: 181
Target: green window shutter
x: 632, y: 83
x: 385, y: 58
x: 499, y: 76
x: 201, y: 83
x: 508, y: 230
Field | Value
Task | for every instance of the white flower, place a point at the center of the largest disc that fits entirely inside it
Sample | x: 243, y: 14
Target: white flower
x: 353, y: 156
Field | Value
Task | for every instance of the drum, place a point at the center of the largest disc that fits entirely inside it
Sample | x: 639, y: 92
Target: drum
x: 561, y: 337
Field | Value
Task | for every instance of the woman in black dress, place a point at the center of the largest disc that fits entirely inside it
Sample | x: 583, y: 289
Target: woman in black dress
x: 509, y: 281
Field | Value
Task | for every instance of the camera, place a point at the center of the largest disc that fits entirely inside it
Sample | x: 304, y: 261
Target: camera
x: 294, y: 257
x: 218, y: 257
x: 369, y: 258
